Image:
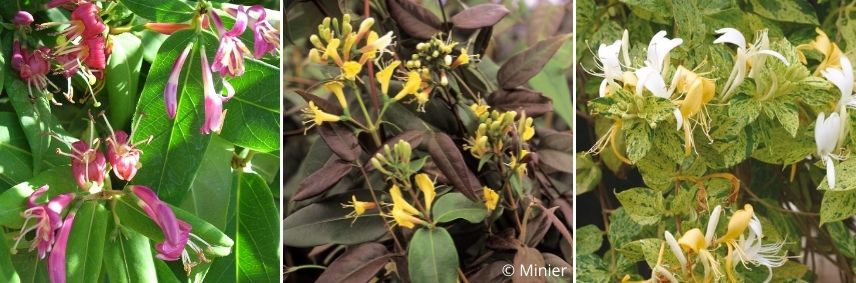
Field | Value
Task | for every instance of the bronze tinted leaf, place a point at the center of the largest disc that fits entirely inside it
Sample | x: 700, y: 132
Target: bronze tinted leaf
x: 322, y: 103
x: 323, y: 179
x: 479, y: 16
x: 526, y: 257
x: 519, y: 100
x: 341, y: 140
x: 450, y: 161
x: 524, y: 65
x: 358, y: 264
x: 416, y: 20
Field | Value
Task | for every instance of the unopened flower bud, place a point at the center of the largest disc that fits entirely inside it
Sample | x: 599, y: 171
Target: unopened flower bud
x: 443, y: 80
x: 447, y: 60
x: 23, y: 18
x: 316, y: 41
x: 314, y: 56
x: 366, y: 25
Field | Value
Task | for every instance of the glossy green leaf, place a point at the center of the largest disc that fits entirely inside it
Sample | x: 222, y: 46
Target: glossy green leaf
x: 86, y: 243
x: 164, y: 274
x: 432, y: 256
x: 326, y: 222
x: 173, y: 157
x: 16, y: 161
x: 455, y: 205
x: 7, y: 270
x: 211, y: 187
x: 128, y: 256
x: 252, y: 118
x: 257, y: 247
x: 30, y: 267
x: 170, y: 11
x: 122, y: 78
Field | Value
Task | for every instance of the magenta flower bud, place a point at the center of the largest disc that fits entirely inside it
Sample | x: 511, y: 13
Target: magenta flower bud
x: 87, y: 166
x: 123, y: 156
x: 87, y: 14
x: 176, y: 233
x: 265, y: 37
x: 44, y: 219
x: 17, y: 56
x: 23, y: 18
x: 229, y: 59
x: 214, y: 114
x: 57, y: 260
x: 170, y: 93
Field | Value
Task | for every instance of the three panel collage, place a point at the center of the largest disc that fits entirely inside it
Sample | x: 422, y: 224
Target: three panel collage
x: 427, y: 141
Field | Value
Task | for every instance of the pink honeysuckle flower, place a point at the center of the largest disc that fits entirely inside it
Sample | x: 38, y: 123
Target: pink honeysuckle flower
x: 57, y: 260
x: 84, y: 23
x: 229, y: 59
x: 88, y: 166
x: 166, y: 28
x: 123, y: 156
x: 23, y: 18
x: 44, y: 219
x: 176, y: 233
x: 265, y: 36
x: 170, y: 93
x: 32, y: 67
x: 214, y: 114
x: 96, y: 52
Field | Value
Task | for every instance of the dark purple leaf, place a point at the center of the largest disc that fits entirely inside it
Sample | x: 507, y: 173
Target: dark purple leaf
x: 519, y: 100
x: 322, y: 179
x: 557, y: 160
x: 416, y: 20
x: 491, y: 273
x: 341, y: 140
x: 526, y: 257
x: 359, y: 264
x: 538, y: 226
x: 524, y: 65
x: 479, y: 16
x: 450, y: 161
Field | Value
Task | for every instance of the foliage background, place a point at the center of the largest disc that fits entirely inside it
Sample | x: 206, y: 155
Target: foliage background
x: 821, y: 241
x: 196, y: 173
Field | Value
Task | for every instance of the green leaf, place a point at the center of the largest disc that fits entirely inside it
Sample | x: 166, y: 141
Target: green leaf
x: 638, y: 138
x: 796, y: 11
x: 173, y: 157
x: 252, y: 120
x: 644, y: 205
x: 587, y: 172
x: 30, y: 267
x: 123, y: 75
x: 549, y: 82
x: 164, y: 274
x: 455, y: 205
x: 589, y: 239
x: 86, y: 243
x: 16, y: 161
x: 214, y: 179
x: 326, y: 222
x: 621, y: 229
x: 128, y: 256
x: 14, y: 201
x: 591, y: 268
x: 257, y: 247
x: 842, y: 238
x: 432, y: 256
x: 7, y: 270
x: 845, y: 177
x: 837, y: 205
x: 169, y: 11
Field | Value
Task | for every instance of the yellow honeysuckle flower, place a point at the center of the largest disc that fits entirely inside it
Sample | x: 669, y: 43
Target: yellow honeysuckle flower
x: 738, y: 223
x: 316, y: 116
x: 331, y: 51
x: 424, y: 183
x: 516, y: 163
x: 404, y: 219
x: 375, y: 44
x: 359, y: 207
x: 462, y: 59
x: 422, y: 98
x: 527, y: 131
x: 398, y: 201
x: 336, y: 88
x: 491, y: 198
x: 831, y: 53
x: 479, y: 108
x: 351, y: 69
x: 699, y: 91
x: 385, y: 75
x: 693, y: 240
x: 411, y: 86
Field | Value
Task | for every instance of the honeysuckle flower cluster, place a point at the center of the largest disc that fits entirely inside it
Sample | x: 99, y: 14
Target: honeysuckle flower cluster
x: 228, y: 59
x: 496, y: 135
x: 748, y: 249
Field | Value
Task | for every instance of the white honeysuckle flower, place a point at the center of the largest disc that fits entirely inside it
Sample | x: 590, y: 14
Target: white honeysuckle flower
x: 609, y: 64
x: 826, y: 133
x: 843, y: 79
x: 752, y: 251
x: 658, y: 51
x: 659, y: 270
x: 676, y: 249
x: 649, y: 78
x: 747, y: 57
x: 711, y: 224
